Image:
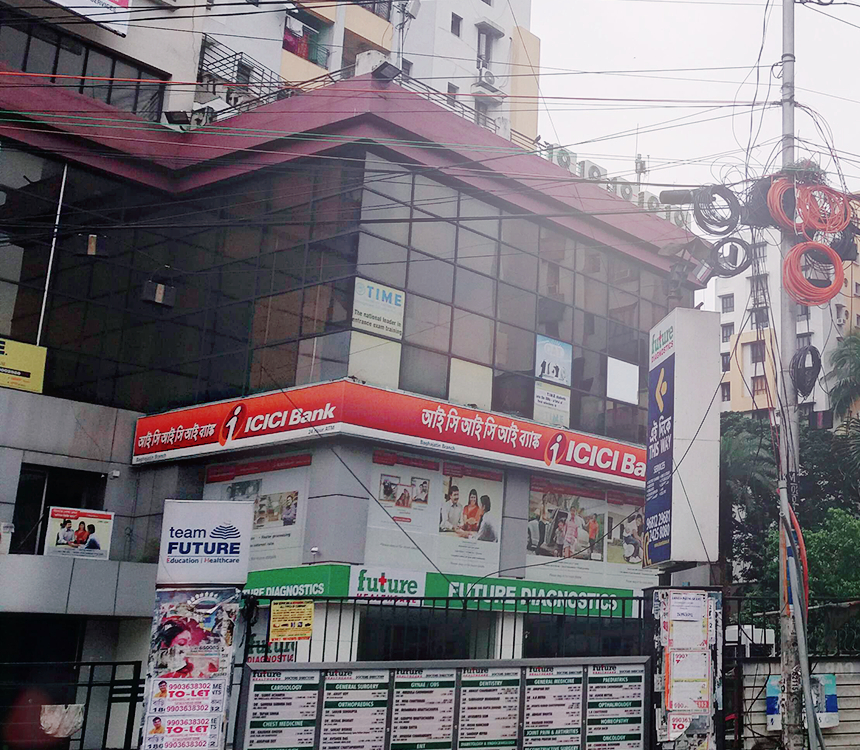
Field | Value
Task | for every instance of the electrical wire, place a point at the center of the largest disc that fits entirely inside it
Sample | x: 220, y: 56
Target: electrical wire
x: 796, y: 283
x: 712, y: 217
x: 803, y: 376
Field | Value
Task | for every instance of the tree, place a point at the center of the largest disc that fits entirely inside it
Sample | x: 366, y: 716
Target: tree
x: 846, y: 374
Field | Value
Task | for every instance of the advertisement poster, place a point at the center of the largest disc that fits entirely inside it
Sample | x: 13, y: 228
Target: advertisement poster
x: 182, y: 732
x: 553, y: 360
x: 278, y: 487
x: 552, y: 405
x: 263, y: 651
x: 452, y: 510
x: 173, y: 697
x: 597, y: 535
x: 192, y: 634
x: 378, y: 309
x: 660, y: 465
x: 79, y: 533
x: 291, y: 620
x: 22, y: 366
x: 823, y: 698
x: 282, y: 712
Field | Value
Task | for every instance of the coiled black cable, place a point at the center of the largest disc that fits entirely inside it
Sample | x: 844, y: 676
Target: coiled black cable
x: 802, y: 375
x: 724, y: 257
x: 716, y: 218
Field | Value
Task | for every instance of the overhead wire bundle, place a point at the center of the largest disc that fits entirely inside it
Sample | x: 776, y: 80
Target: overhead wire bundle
x: 782, y: 201
x: 822, y: 208
x: 716, y: 209
x: 806, y: 291
x: 725, y: 260
x: 802, y: 375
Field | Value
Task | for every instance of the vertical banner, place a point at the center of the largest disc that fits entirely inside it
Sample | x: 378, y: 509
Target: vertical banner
x: 682, y: 472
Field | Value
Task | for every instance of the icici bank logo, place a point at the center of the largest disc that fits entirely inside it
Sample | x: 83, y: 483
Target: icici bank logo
x: 230, y: 427
x: 555, y: 449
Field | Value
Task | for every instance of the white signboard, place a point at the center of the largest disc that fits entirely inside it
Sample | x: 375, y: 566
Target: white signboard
x: 553, y: 707
x: 78, y: 532
x: 204, y: 541
x: 552, y: 404
x: 282, y: 710
x: 355, y: 707
x: 614, y: 714
x: 423, y: 709
x: 489, y: 708
x: 110, y: 14
x: 378, y: 309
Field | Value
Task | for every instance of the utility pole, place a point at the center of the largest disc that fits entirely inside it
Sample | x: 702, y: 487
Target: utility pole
x: 793, y: 735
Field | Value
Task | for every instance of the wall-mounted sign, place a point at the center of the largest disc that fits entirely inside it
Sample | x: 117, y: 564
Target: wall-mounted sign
x: 553, y: 360
x: 291, y: 620
x: 204, y: 541
x: 348, y: 408
x: 78, y: 532
x: 378, y: 309
x: 112, y: 15
x: 22, y: 366
x: 552, y: 404
x: 824, y: 699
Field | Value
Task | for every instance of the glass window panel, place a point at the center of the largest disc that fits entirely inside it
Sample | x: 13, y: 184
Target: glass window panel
x: 149, y: 100
x: 323, y: 358
x: 281, y: 271
x: 435, y: 198
x: 590, y: 295
x: 326, y: 307
x: 513, y: 394
x: 515, y: 349
x: 432, y: 277
x: 470, y: 208
x: 381, y: 261
x: 435, y: 237
x: 556, y: 248
x: 98, y: 65
x: 13, y: 44
x: 424, y: 372
x: 331, y: 259
x: 230, y: 329
x: 623, y: 342
x: 622, y: 422
x: 70, y: 61
x: 220, y: 378
x: 379, y: 207
x: 477, y: 252
x: 273, y: 367
x: 124, y: 93
x: 591, y: 261
x: 516, y: 306
x: 474, y: 292
x: 587, y: 413
x: 623, y: 274
x: 623, y: 307
x: 589, y: 371
x: 522, y: 234
x: 652, y: 287
x: 556, y: 282
x: 518, y: 267
x: 589, y: 330
x: 427, y: 323
x: 554, y: 319
x: 277, y: 318
x: 388, y: 178
x: 473, y: 337
x: 43, y: 50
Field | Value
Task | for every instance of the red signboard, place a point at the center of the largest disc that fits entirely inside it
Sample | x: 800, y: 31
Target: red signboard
x: 348, y: 408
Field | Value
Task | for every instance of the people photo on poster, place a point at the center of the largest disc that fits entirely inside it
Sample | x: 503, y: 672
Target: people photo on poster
x: 78, y: 532
x: 453, y: 510
x: 278, y: 488
x: 192, y: 633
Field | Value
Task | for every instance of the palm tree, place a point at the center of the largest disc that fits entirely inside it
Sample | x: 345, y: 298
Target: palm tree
x: 846, y: 373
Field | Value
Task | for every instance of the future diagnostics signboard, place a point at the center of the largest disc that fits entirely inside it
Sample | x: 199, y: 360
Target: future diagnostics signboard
x: 347, y: 408
x: 570, y: 704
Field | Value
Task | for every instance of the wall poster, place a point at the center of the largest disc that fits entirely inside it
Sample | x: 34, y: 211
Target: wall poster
x: 278, y: 488
x: 78, y: 532
x: 596, y: 535
x: 453, y: 510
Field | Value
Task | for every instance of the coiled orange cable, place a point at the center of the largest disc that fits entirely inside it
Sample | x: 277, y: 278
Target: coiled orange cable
x: 775, y: 195
x: 799, y: 287
x: 823, y: 208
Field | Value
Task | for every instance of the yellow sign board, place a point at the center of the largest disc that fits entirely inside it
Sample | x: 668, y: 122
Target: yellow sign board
x: 22, y: 366
x: 291, y: 620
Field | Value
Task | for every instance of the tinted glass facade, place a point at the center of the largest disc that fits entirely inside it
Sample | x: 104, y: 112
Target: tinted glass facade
x: 258, y: 279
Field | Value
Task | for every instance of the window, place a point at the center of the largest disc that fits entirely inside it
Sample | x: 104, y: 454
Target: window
x: 759, y: 317
x: 757, y: 351
x: 759, y: 251
x: 726, y: 391
x: 407, y: 68
x: 727, y: 303
x: 452, y: 95
x: 488, y: 2
x: 473, y: 337
x: 857, y: 320
x: 727, y: 330
x: 803, y: 312
x: 726, y: 361
x: 485, y: 49
x: 857, y: 288
x: 456, y: 24
x: 482, y: 114
x: 424, y: 372
x: 759, y: 385
x: 474, y: 292
x: 804, y: 339
x: 427, y: 323
x: 758, y: 286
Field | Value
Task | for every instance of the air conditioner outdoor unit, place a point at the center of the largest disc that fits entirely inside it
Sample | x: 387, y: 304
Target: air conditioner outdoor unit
x: 588, y: 170
x: 487, y: 78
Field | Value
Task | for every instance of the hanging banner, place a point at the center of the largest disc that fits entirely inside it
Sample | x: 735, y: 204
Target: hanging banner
x: 348, y: 408
x: 204, y: 541
x: 78, y: 532
x: 291, y: 620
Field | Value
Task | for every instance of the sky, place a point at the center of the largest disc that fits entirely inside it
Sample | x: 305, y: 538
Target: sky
x: 656, y: 35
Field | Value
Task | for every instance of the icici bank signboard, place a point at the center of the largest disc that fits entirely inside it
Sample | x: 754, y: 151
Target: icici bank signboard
x: 347, y: 408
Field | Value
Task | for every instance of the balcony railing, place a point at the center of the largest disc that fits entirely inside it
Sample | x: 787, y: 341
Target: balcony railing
x: 306, y: 45
x: 381, y: 8
x: 240, y: 76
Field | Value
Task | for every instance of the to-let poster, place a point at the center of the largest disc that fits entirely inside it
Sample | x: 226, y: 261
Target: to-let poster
x: 489, y: 708
x: 423, y: 712
x: 182, y: 732
x: 689, y: 677
x: 174, y: 697
x: 278, y: 487
x: 282, y: 711
x: 355, y: 705
x: 192, y: 634
x: 291, y: 620
x: 553, y: 708
x: 614, y: 709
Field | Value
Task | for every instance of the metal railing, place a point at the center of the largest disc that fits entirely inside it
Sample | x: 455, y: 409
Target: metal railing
x: 109, y: 693
x: 307, y: 46
x: 381, y: 8
x: 451, y: 103
x: 383, y: 629
x: 241, y: 75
